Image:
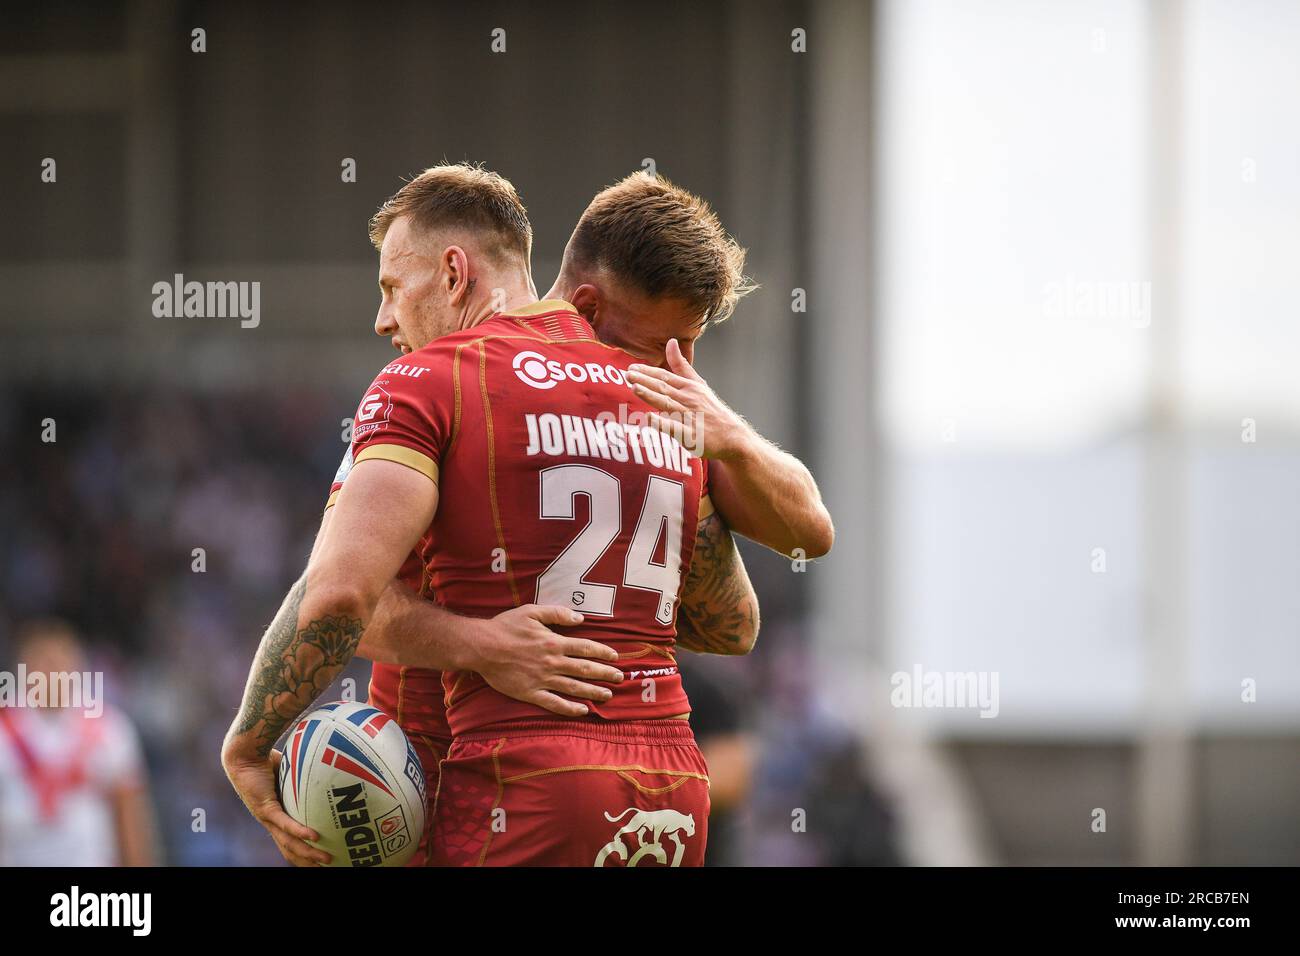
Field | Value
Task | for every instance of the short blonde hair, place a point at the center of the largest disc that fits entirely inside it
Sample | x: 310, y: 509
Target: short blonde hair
x: 664, y: 241
x: 461, y: 195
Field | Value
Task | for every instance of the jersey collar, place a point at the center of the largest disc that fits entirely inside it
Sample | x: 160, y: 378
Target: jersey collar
x: 541, y: 308
x: 555, y: 318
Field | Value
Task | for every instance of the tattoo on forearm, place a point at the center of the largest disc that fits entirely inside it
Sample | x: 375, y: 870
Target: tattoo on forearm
x: 719, y: 612
x: 293, y: 667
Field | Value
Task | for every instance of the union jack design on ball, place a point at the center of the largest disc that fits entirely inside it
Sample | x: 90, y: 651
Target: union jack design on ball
x: 302, y: 736
x: 372, y: 721
x: 341, y: 754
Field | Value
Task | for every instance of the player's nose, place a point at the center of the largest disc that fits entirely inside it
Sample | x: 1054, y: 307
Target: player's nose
x: 384, y: 323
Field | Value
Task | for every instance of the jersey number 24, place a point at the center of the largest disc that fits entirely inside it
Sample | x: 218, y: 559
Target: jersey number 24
x: 564, y: 581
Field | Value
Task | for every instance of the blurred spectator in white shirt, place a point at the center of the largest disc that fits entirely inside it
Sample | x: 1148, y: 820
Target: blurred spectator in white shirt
x: 73, y: 788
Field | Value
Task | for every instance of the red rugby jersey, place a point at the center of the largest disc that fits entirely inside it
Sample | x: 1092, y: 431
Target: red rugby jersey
x: 552, y: 489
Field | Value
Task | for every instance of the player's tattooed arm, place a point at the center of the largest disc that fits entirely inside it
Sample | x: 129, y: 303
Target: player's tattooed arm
x: 268, y: 707
x: 294, y: 665
x: 719, y: 611
x: 320, y: 624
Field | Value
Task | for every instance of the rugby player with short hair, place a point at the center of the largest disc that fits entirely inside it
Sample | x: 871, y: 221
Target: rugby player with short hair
x: 621, y: 309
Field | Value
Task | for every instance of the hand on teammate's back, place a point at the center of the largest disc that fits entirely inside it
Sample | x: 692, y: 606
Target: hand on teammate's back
x: 520, y: 656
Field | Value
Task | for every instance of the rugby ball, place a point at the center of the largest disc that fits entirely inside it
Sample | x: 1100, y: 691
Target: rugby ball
x: 351, y: 775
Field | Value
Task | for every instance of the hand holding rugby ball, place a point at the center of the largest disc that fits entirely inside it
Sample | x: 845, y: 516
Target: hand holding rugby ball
x: 351, y: 775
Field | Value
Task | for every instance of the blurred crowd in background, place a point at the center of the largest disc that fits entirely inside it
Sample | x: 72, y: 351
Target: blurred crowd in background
x: 103, y: 524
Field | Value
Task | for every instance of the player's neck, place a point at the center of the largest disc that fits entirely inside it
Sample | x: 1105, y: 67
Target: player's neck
x: 500, y: 297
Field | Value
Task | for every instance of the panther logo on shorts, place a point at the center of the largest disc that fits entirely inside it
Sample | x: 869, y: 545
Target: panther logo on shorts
x: 657, y: 823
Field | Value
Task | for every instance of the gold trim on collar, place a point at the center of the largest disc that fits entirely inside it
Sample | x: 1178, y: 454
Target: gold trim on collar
x: 540, y: 308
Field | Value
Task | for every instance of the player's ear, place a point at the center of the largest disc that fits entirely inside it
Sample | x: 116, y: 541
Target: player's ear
x: 455, y: 269
x: 586, y: 299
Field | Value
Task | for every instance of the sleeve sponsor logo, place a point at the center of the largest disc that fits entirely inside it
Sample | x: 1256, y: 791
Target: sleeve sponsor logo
x: 372, y: 414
